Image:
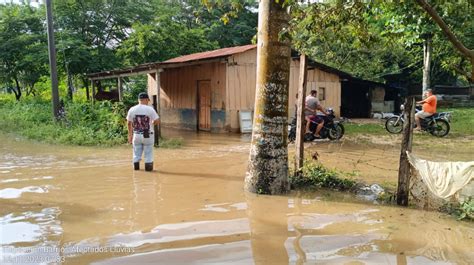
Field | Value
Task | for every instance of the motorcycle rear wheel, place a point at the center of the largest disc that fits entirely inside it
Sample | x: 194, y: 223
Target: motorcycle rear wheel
x: 392, y: 126
x: 440, y: 128
x: 336, y: 132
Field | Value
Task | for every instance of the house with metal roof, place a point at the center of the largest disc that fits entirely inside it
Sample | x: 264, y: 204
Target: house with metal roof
x: 207, y: 91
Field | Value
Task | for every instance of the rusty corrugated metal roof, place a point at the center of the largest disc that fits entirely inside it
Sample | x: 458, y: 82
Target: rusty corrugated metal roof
x: 211, y: 54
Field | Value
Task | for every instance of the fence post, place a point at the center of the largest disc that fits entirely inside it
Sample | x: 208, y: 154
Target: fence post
x: 299, y: 156
x: 404, y: 168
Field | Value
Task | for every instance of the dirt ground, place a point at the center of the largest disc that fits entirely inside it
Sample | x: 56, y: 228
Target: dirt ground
x: 375, y: 158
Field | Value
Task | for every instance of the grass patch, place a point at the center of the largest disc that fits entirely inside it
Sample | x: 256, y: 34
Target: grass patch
x: 100, y: 124
x: 171, y: 143
x: 368, y: 128
x: 82, y: 123
x: 462, y: 122
x: 315, y: 175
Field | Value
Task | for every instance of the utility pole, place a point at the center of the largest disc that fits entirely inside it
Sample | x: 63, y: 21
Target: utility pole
x: 426, y: 63
x: 52, y: 60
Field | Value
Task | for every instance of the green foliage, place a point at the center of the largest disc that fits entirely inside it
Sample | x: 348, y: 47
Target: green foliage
x: 230, y: 23
x: 171, y: 143
x: 373, y: 39
x: 462, y: 211
x: 315, y: 175
x: 466, y: 209
x: 91, y: 31
x: 134, y: 86
x: 162, y: 40
x: 462, y: 123
x: 368, y: 128
x: 23, y: 50
x: 83, y: 124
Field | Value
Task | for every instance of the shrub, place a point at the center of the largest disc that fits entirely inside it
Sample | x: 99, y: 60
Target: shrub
x: 462, y: 211
x: 82, y: 123
x: 315, y: 175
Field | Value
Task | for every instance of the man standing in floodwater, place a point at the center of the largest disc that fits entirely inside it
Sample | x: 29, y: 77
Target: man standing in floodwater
x: 140, y: 121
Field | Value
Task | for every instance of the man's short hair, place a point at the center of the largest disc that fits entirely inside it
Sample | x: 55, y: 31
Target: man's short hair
x: 314, y: 91
x: 429, y: 90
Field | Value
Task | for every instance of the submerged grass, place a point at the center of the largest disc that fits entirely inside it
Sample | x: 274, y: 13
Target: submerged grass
x: 315, y: 175
x: 171, y: 143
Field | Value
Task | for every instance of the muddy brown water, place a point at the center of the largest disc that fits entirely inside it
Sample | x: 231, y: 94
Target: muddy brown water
x: 83, y: 205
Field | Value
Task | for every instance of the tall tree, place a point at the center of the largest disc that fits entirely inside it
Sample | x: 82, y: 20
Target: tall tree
x: 379, y: 38
x: 268, y: 162
x: 457, y: 43
x: 91, y: 30
x: 23, y: 53
x: 231, y: 23
x: 161, y: 40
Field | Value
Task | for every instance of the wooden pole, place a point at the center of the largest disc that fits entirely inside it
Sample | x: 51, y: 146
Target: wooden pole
x: 157, y: 134
x: 300, y: 114
x: 93, y: 91
x: 404, y: 169
x: 52, y: 60
x: 157, y: 102
x: 426, y: 64
x: 120, y: 89
x: 87, y: 90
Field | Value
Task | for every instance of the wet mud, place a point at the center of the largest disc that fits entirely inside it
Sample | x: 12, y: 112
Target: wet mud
x: 78, y: 205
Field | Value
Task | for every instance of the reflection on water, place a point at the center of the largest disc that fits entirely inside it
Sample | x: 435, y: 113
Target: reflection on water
x: 12, y: 193
x: 87, y: 206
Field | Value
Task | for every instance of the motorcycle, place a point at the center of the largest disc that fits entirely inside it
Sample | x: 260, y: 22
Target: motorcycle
x: 332, y: 129
x: 437, y: 124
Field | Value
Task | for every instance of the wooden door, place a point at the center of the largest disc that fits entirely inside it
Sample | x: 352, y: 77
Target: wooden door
x: 204, y: 105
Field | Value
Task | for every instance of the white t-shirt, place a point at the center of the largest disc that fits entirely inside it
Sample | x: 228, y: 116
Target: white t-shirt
x: 142, y: 117
x: 312, y: 103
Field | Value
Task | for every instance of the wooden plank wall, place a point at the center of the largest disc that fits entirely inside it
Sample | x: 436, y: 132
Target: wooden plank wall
x: 179, y: 91
x: 241, y: 85
x: 316, y: 80
x: 180, y: 85
x: 241, y: 82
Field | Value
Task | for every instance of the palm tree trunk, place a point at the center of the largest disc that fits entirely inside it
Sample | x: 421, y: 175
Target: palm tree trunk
x: 268, y: 162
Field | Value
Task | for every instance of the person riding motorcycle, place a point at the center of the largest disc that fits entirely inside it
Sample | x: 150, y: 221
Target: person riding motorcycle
x: 312, y: 105
x: 429, y: 108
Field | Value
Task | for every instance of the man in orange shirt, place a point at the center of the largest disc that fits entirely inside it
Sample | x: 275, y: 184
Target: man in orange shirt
x: 429, y: 108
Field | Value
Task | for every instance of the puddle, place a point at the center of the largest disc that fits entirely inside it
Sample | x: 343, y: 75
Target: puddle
x: 77, y: 205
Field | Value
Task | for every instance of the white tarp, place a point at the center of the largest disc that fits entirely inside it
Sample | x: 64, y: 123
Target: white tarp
x: 443, y: 179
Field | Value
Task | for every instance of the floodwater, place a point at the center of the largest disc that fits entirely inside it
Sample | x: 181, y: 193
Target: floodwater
x: 83, y: 205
